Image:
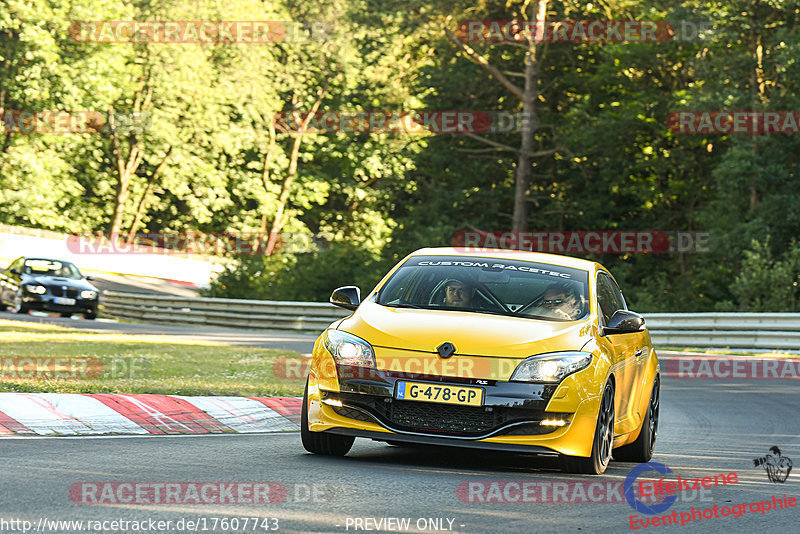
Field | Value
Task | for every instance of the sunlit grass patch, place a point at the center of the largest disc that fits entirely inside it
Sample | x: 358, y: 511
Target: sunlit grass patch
x: 47, y: 358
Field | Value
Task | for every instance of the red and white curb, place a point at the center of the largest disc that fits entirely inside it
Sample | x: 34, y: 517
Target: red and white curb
x: 68, y: 414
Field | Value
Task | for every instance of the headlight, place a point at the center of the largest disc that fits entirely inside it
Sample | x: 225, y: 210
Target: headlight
x: 551, y: 367
x: 348, y: 349
x: 39, y: 290
x: 88, y: 294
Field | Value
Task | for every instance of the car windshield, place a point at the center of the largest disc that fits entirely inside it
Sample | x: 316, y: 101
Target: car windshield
x: 488, y: 285
x: 61, y: 269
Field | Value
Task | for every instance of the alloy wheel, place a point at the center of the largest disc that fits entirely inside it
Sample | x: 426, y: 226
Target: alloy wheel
x: 606, y: 426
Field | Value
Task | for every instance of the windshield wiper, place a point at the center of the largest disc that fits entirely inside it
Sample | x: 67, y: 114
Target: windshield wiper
x: 404, y: 305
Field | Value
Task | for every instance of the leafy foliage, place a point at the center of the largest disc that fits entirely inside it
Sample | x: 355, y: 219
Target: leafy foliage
x: 610, y: 161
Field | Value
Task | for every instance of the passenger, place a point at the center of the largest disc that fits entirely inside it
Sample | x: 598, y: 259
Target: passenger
x: 561, y: 301
x: 458, y: 294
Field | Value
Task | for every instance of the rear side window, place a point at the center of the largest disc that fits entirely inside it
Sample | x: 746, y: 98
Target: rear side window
x: 609, y: 297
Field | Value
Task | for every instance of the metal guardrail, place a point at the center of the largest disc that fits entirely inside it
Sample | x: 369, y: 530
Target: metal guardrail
x: 777, y: 331
x: 253, y: 314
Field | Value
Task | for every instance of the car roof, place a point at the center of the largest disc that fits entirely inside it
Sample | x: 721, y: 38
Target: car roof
x: 26, y: 258
x: 522, y: 255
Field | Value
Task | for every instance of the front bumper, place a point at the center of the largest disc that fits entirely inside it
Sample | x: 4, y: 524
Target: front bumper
x: 47, y: 303
x: 362, y: 403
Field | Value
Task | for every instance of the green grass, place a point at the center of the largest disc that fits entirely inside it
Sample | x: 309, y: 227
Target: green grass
x: 118, y: 363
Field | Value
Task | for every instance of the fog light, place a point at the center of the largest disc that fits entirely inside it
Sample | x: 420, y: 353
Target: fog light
x: 553, y: 422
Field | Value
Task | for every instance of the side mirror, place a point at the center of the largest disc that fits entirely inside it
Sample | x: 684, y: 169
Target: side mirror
x: 624, y: 322
x: 16, y: 271
x: 348, y: 297
x: 88, y: 278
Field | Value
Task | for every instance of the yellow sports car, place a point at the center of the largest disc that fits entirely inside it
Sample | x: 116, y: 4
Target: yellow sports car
x: 513, y: 351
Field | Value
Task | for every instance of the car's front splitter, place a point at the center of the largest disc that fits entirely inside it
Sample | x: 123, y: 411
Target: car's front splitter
x: 511, y: 417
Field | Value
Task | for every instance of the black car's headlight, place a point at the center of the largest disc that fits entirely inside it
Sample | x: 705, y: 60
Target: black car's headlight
x: 348, y: 349
x: 35, y: 288
x: 551, y: 367
x: 88, y: 294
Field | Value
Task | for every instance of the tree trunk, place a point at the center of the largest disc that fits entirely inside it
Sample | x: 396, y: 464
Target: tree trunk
x: 141, y: 208
x: 126, y: 166
x: 126, y: 169
x: 262, y: 230
x: 519, y: 219
x: 758, y: 100
x: 279, y: 220
x: 528, y: 95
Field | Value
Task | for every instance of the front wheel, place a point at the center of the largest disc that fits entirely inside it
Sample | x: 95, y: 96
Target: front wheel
x: 641, y: 450
x: 319, y: 442
x: 597, y: 463
x: 91, y: 314
x: 19, y: 305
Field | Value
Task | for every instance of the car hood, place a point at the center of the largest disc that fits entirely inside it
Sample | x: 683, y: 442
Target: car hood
x: 472, y: 333
x: 57, y: 281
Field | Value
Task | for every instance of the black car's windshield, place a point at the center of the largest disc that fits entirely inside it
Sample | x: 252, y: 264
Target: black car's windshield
x: 60, y: 269
x: 489, y: 285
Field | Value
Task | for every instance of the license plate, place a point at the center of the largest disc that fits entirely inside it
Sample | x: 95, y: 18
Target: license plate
x: 442, y: 393
x: 64, y: 301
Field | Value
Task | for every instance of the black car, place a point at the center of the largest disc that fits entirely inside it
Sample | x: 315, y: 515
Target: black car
x: 48, y: 285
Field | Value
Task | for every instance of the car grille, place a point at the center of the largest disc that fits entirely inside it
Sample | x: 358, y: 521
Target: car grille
x: 441, y: 417
x: 58, y: 291
x: 352, y: 413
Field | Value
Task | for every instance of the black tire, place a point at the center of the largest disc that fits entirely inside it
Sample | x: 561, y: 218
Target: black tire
x: 602, y: 443
x: 320, y: 442
x: 641, y: 450
x: 19, y: 306
x: 90, y: 315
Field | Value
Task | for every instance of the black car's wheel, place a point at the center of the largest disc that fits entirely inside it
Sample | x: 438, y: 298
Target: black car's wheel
x: 19, y: 305
x: 90, y: 314
x: 603, y: 441
x: 319, y: 442
x: 641, y: 450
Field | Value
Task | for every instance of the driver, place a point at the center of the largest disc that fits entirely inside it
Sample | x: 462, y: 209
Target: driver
x: 561, y: 301
x: 458, y: 294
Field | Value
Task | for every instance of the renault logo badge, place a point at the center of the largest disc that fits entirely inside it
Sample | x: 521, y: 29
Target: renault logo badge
x: 446, y: 349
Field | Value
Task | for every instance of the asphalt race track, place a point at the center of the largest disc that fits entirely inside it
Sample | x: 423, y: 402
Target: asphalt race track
x: 302, y: 343
x: 707, y: 428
